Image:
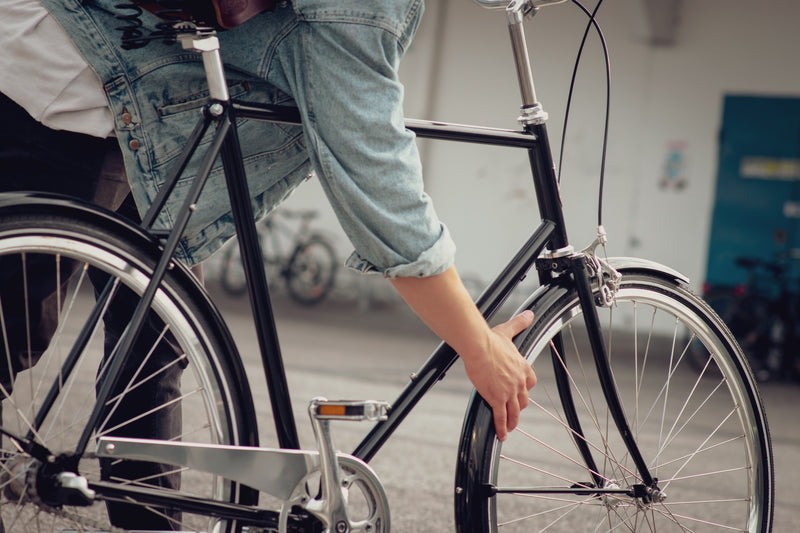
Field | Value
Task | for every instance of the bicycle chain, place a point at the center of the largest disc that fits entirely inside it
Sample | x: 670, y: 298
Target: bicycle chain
x: 82, y: 520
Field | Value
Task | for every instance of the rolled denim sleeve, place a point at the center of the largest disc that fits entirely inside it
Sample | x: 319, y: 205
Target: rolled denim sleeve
x: 340, y: 64
x: 434, y: 260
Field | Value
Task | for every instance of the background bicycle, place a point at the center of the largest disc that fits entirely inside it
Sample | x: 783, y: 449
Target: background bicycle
x: 764, y: 314
x: 294, y: 252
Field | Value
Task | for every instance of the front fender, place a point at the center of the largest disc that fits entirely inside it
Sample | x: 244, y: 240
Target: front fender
x: 638, y: 264
x: 545, y: 296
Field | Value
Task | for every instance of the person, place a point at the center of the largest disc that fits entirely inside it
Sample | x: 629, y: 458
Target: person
x: 39, y: 154
x: 337, y: 62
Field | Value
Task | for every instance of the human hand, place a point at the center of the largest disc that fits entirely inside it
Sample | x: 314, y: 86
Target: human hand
x: 502, y: 376
x: 494, y: 365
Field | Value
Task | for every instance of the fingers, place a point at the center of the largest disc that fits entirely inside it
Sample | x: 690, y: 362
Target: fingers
x: 512, y: 414
x: 500, y: 424
x: 517, y: 324
x: 507, y: 415
x: 506, y: 418
x: 530, y: 381
x: 523, y: 400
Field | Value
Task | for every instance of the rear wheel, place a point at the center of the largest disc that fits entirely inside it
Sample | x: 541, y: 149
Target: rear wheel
x: 702, y: 433
x: 311, y: 271
x: 182, y: 381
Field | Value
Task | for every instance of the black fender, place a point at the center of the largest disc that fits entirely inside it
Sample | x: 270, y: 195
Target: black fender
x: 55, y: 204
x: 545, y: 296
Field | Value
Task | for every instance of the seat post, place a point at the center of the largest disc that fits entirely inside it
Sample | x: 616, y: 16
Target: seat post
x: 531, y: 110
x: 207, y: 43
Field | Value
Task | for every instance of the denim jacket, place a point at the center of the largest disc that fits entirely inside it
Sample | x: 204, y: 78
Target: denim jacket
x: 337, y: 61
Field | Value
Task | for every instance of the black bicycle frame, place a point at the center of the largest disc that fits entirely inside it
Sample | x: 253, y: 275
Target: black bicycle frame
x: 550, y: 234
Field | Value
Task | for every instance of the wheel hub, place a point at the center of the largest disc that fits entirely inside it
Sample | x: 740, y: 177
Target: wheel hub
x: 45, y: 484
x: 647, y: 495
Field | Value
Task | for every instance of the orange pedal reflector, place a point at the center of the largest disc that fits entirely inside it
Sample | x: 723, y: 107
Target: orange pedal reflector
x: 349, y: 410
x: 332, y: 410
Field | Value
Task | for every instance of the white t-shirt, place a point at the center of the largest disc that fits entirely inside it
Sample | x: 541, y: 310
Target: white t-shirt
x: 43, y: 71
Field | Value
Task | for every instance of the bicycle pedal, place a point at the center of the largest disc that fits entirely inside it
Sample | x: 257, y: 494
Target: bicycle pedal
x: 357, y: 410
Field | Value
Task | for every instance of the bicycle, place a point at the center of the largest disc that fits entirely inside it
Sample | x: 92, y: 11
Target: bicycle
x: 304, y: 260
x: 645, y: 442
x: 762, y: 313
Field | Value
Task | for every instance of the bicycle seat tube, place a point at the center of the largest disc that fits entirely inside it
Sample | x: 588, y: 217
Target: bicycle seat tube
x: 249, y: 244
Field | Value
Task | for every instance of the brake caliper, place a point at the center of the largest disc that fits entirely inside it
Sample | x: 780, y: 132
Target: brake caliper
x: 603, y: 274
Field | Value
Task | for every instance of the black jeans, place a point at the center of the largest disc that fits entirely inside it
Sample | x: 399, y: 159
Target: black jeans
x: 36, y: 158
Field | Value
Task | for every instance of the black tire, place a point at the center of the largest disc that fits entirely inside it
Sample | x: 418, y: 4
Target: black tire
x: 703, y: 435
x: 311, y: 271
x: 207, y: 385
x: 749, y: 317
x: 231, y: 274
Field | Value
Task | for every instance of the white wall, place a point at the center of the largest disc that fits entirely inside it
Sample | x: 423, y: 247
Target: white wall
x: 459, y: 69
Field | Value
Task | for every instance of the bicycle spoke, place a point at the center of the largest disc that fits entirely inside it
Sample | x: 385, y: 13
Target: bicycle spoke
x: 704, y: 450
x: 566, y: 508
x: 697, y: 520
x: 589, y: 406
x: 175, y: 401
x: 575, y: 436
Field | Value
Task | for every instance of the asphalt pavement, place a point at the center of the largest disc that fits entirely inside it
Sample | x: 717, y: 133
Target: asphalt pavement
x: 347, y: 350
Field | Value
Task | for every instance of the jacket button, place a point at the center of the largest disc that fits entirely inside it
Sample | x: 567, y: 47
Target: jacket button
x: 134, y: 144
x: 127, y: 118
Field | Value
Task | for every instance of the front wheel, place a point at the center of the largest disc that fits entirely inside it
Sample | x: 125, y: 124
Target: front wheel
x: 702, y: 433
